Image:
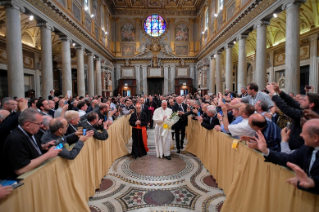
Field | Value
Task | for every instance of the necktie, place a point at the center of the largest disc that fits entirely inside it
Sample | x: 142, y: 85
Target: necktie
x: 313, y: 158
x: 181, y: 107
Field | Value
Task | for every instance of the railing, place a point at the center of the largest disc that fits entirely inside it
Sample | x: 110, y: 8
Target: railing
x: 250, y: 184
x: 66, y: 185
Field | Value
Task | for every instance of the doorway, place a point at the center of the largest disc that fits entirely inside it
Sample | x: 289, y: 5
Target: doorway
x: 155, y: 86
x: 304, y: 78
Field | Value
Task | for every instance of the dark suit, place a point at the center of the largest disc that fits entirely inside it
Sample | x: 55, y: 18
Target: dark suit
x: 138, y: 148
x: 150, y: 113
x: 71, y: 129
x: 210, y: 122
x: 146, y: 111
x: 98, y: 135
x: 302, y: 158
x: 180, y: 125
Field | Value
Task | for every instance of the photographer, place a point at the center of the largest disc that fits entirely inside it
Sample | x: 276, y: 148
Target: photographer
x: 58, y: 127
x: 129, y: 108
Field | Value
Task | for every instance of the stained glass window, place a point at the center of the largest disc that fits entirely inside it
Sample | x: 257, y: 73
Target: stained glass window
x: 155, y: 25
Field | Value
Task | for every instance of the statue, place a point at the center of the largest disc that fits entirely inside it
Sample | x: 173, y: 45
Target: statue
x: 167, y: 48
x: 182, y: 62
x: 142, y: 49
x: 127, y: 62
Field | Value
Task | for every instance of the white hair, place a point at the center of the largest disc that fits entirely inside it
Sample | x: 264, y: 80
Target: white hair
x: 211, y: 109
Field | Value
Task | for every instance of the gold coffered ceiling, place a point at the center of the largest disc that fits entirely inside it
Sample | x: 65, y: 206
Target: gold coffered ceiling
x: 155, y: 4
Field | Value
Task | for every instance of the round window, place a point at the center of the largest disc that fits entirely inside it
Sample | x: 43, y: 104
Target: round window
x: 154, y: 25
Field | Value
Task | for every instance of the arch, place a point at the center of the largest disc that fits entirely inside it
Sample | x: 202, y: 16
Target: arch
x: 27, y: 39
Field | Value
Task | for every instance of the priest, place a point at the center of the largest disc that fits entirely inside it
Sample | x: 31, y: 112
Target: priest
x: 162, y: 142
x: 138, y: 121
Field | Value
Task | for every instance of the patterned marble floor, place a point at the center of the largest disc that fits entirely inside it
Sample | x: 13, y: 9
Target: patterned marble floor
x: 152, y: 184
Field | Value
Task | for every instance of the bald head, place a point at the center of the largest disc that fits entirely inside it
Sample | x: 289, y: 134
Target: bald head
x: 310, y: 133
x: 56, y: 124
x: 3, y: 114
x: 257, y: 122
x: 179, y: 100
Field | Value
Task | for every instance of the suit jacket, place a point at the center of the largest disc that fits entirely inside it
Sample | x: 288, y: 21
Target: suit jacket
x: 153, y: 103
x: 146, y: 111
x: 143, y: 119
x: 210, y: 124
x: 302, y: 158
x: 183, y: 121
x: 98, y: 135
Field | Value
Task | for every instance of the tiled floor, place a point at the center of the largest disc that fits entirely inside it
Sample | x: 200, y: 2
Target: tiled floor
x: 152, y: 184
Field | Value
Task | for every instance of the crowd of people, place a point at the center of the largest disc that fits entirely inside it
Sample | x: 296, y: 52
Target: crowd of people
x: 283, y: 127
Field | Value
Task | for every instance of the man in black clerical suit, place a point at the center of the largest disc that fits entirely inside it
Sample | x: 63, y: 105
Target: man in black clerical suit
x: 21, y: 152
x: 92, y: 120
x: 138, y: 121
x: 211, y: 120
x: 151, y: 107
x: 179, y: 127
x: 145, y: 109
x: 304, y: 161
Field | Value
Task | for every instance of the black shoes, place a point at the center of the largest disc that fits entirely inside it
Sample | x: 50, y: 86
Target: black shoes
x: 168, y: 157
x: 178, y: 151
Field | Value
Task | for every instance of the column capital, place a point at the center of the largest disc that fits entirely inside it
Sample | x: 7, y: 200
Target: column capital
x: 16, y: 4
x: 46, y: 25
x: 313, y: 37
x: 229, y: 45
x: 289, y: 3
x: 212, y: 57
x: 97, y: 58
x: 242, y: 36
x: 90, y: 54
x: 79, y: 47
x: 64, y: 38
x: 261, y: 23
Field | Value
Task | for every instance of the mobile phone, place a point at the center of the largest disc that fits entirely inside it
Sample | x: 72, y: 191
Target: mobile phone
x: 84, y: 131
x: 198, y: 113
x: 105, y: 118
x: 224, y: 101
x: 221, y: 112
x: 288, y: 125
x: 17, y: 185
x: 59, y: 146
x: 231, y: 96
x: 308, y: 86
x: 66, y: 102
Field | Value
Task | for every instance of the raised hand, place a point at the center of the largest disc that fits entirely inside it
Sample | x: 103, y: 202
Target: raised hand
x: 285, y: 134
x: 5, y: 190
x: 301, y: 176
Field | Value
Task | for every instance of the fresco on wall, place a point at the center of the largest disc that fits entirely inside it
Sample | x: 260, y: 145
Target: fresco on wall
x: 127, y: 32
x: 128, y: 50
x: 181, y: 32
x: 181, y: 50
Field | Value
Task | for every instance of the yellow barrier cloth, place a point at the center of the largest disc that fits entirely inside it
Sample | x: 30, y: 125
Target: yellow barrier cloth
x: 66, y: 185
x: 250, y: 184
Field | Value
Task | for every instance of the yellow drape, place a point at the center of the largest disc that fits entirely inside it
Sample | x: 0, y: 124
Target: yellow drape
x: 66, y: 185
x: 250, y: 184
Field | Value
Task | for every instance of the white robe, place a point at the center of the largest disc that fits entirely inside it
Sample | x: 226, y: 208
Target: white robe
x: 162, y: 145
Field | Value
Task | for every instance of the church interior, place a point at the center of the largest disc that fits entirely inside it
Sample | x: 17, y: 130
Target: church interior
x: 157, y: 47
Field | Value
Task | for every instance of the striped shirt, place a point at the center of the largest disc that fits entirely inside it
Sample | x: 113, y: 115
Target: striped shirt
x: 272, y: 134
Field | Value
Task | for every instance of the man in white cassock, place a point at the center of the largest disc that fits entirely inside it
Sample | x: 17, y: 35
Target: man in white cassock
x: 163, y: 143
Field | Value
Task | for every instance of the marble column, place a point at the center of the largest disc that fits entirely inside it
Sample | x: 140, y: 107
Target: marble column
x: 14, y: 48
x: 212, y: 67
x: 90, y: 74
x: 46, y: 58
x: 219, y: 83
x: 144, y: 80
x: 172, y: 73
x: 271, y: 68
x: 66, y: 65
x: 313, y: 72
x: 192, y: 75
x: 113, y: 80
x: 138, y: 79
x: 165, y: 80
x: 80, y: 70
x: 98, y: 76
x: 229, y: 68
x: 292, y: 59
x: 260, y: 73
x: 242, y: 64
x: 37, y: 75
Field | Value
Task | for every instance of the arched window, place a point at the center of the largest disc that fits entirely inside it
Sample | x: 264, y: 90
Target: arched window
x: 154, y: 25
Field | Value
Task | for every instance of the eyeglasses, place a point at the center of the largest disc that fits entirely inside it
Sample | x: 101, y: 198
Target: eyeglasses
x: 39, y: 124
